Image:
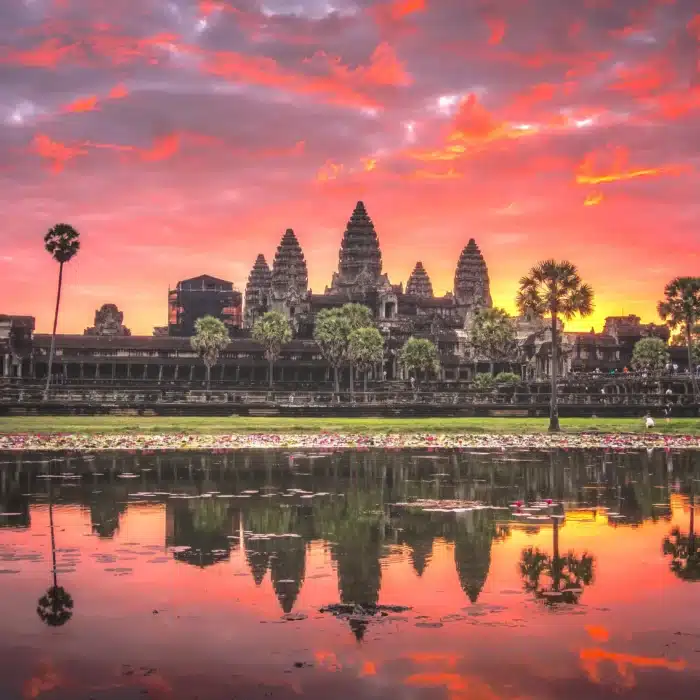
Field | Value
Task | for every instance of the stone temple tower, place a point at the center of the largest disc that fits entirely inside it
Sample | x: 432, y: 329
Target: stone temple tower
x: 419, y: 284
x: 257, y: 291
x: 360, y: 258
x: 472, y: 288
x: 290, y: 277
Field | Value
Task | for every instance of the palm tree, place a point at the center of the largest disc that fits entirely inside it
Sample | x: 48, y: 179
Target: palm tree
x: 366, y: 350
x: 210, y: 338
x: 358, y: 316
x: 554, y: 289
x: 681, y: 309
x: 493, y: 336
x: 272, y: 331
x: 55, y: 607
x: 63, y: 243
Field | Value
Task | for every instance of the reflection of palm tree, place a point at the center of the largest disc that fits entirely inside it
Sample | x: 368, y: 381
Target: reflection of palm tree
x: 683, y: 549
x: 567, y: 575
x: 55, y: 607
x: 473, y: 540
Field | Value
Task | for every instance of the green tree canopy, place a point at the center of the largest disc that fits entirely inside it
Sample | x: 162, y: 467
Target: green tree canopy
x: 209, y: 339
x: 680, y: 309
x: 493, y: 336
x: 650, y: 355
x: 272, y: 331
x: 419, y: 356
x: 507, y: 378
x: 331, y: 333
x: 359, y: 316
x: 483, y: 381
x: 555, y: 290
x: 365, y: 350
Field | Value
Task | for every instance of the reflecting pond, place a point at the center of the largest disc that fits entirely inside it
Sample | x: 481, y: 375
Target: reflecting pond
x: 418, y: 575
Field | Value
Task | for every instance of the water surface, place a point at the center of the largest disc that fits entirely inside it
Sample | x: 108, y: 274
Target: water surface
x: 461, y: 576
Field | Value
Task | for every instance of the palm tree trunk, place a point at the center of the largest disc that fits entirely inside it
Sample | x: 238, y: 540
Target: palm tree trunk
x: 364, y: 378
x: 53, y: 333
x: 269, y: 374
x: 208, y: 368
x: 553, y: 407
x: 352, y: 383
x: 691, y: 368
x: 336, y: 381
x: 53, y: 538
x: 491, y: 367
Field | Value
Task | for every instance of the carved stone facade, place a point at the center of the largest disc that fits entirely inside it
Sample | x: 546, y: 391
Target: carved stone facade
x: 419, y: 284
x: 109, y: 321
x: 257, y: 291
x: 290, y: 278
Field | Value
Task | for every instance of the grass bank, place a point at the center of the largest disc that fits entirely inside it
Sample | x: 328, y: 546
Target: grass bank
x: 213, y: 426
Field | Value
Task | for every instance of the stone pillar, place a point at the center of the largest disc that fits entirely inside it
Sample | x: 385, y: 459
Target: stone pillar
x: 32, y: 367
x: 6, y: 366
x: 65, y: 372
x: 191, y: 373
x: 82, y: 371
x: 160, y: 373
x: 128, y: 370
x: 238, y: 373
x: 145, y: 371
x: 114, y: 371
x: 177, y: 372
x: 19, y: 368
x: 97, y: 370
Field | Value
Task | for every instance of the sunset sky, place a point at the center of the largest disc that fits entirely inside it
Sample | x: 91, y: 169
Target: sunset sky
x: 183, y: 137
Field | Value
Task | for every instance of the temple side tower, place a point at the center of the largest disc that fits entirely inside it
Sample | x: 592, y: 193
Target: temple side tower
x: 257, y: 291
x: 419, y: 284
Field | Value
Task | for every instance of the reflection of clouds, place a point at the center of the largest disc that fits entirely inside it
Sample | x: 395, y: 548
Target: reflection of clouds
x: 625, y: 664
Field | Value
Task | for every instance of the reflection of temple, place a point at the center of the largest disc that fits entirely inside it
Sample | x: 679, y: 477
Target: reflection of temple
x: 106, y: 508
x: 473, y: 539
x: 198, y: 530
x: 364, y: 528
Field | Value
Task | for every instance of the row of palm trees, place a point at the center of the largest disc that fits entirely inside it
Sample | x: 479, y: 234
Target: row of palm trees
x: 346, y: 336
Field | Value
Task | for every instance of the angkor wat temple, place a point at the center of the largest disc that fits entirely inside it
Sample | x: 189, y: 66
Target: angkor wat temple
x: 412, y: 310
x: 107, y: 350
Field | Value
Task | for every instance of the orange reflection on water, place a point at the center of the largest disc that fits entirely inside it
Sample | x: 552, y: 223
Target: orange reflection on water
x: 597, y: 633
x: 592, y: 658
x: 459, y: 687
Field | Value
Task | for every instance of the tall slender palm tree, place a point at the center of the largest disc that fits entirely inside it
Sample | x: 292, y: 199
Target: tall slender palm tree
x: 681, y: 309
x: 62, y: 242
x: 55, y: 607
x: 554, y: 289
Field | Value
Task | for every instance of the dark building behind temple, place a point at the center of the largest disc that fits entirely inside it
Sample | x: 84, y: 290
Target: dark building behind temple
x: 203, y: 296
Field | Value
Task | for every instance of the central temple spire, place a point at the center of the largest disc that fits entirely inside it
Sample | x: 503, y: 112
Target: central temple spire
x: 359, y: 250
